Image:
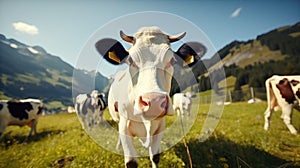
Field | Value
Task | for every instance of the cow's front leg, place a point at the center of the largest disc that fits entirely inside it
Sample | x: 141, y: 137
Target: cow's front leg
x: 127, y: 144
x: 118, y: 143
x: 181, y: 111
x: 154, y: 149
x: 32, y: 128
x: 267, y: 118
x: 3, y: 124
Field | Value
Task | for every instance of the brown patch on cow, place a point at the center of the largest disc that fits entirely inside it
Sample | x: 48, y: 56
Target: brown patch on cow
x: 116, y: 106
x: 294, y: 82
x: 30, y: 123
x: 298, y: 93
x: 286, y: 90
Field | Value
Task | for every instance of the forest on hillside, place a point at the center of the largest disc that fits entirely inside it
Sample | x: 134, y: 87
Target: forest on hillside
x: 285, y: 39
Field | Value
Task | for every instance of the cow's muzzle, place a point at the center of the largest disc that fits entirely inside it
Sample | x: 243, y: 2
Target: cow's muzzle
x: 152, y: 105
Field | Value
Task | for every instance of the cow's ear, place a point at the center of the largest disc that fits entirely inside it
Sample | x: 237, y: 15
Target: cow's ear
x: 111, y: 50
x: 190, y: 53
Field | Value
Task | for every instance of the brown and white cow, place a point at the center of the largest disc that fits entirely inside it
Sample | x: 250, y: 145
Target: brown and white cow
x: 282, y: 92
x: 139, y: 96
x: 20, y: 112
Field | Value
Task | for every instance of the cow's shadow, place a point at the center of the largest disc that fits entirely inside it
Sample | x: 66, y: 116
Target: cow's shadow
x: 8, y: 139
x: 221, y: 152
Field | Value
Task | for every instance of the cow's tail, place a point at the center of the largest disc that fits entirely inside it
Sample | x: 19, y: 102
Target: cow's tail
x: 77, y: 108
x: 269, y: 92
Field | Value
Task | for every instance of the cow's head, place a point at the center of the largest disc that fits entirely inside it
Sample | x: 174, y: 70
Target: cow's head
x: 101, y: 101
x: 150, y: 60
x: 94, y: 98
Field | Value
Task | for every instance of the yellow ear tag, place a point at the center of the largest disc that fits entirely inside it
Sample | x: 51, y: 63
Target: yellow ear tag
x: 113, y: 56
x: 189, y: 59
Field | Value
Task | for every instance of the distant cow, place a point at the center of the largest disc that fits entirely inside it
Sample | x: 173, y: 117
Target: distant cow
x: 283, y: 92
x: 139, y: 96
x: 20, y: 112
x: 89, y: 108
x: 181, y: 102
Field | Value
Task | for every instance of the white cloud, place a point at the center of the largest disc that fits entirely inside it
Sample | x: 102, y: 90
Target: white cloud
x: 236, y: 13
x: 26, y: 28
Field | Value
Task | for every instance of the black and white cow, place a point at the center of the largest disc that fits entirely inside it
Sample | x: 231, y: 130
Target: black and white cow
x: 139, y: 96
x: 89, y: 108
x: 20, y: 112
x: 282, y: 92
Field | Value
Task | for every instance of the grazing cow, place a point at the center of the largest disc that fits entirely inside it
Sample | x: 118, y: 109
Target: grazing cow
x: 89, y: 107
x: 139, y: 95
x: 20, y: 112
x: 283, y: 92
x: 181, y: 102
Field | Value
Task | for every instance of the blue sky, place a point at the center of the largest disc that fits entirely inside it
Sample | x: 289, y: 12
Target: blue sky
x: 64, y: 27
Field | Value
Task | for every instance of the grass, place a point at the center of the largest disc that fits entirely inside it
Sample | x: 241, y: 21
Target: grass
x: 259, y: 53
x: 238, y: 141
x: 295, y: 34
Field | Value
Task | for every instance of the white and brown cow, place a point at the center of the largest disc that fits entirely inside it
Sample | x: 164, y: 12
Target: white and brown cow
x: 181, y: 102
x: 282, y: 92
x: 20, y: 112
x: 89, y: 108
x: 139, y: 96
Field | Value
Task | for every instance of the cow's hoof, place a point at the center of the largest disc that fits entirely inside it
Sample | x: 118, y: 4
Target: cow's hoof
x: 294, y: 132
x: 266, y: 127
x: 132, y: 164
x: 156, y: 158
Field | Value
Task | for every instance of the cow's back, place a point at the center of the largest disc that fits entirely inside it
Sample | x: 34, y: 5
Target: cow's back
x: 20, y: 112
x: 177, y: 100
x: 82, y: 104
x: 279, y: 90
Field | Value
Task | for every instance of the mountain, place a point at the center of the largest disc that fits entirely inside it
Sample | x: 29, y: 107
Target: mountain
x: 252, y: 62
x: 29, y: 71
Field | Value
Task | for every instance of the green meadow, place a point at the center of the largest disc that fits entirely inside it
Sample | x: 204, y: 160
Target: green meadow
x: 238, y: 141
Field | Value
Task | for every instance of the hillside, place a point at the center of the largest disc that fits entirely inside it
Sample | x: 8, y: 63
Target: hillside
x: 29, y: 71
x: 253, y: 61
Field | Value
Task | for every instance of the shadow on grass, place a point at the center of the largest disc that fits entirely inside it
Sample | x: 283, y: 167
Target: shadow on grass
x: 221, y: 152
x: 9, y: 140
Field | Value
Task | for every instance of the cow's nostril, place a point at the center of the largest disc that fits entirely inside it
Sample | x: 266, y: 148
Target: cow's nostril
x: 164, y: 104
x: 144, y: 103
